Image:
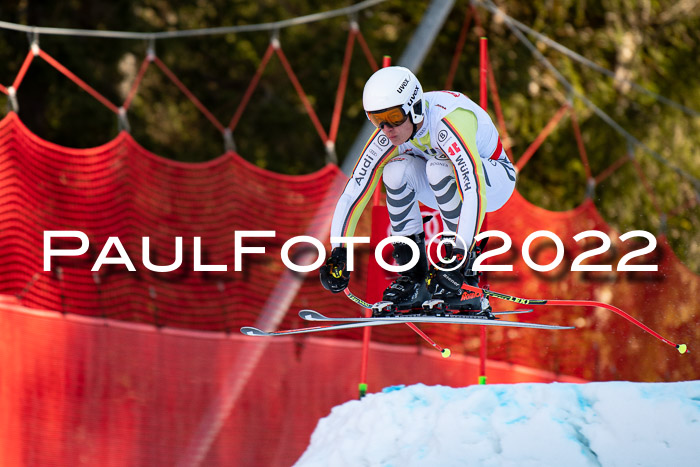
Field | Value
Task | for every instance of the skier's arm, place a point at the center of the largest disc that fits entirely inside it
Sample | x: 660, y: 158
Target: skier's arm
x: 459, y: 145
x: 362, y: 183
x: 357, y: 193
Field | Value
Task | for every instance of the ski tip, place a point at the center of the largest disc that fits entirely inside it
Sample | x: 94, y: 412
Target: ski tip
x: 446, y: 353
x: 682, y: 348
x: 251, y: 331
x: 310, y: 315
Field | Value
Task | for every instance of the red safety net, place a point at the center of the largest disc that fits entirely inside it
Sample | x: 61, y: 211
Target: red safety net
x: 121, y: 190
x: 604, y: 345
x: 73, y: 388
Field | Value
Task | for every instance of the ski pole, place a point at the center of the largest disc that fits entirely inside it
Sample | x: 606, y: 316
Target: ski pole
x: 443, y: 351
x: 682, y: 348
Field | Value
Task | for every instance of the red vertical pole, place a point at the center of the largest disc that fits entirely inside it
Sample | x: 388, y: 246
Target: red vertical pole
x: 483, y: 73
x: 483, y: 102
x: 367, y: 332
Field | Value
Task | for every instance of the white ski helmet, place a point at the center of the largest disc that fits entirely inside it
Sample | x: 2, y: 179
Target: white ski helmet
x: 390, y: 87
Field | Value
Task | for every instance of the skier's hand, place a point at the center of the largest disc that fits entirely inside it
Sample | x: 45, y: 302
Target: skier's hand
x: 445, y: 279
x: 334, y: 274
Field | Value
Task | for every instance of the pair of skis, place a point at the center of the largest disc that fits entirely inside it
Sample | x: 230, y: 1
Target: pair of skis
x: 349, y: 323
x: 411, y: 320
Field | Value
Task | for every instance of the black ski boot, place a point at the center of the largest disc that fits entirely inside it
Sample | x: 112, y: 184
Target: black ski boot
x: 457, y: 292
x: 408, y: 291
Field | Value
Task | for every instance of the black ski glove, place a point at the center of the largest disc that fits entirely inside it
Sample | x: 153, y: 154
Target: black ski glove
x: 334, y: 274
x: 448, y: 280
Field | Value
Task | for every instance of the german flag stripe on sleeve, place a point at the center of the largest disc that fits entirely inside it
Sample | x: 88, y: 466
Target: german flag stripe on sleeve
x: 358, y: 206
x: 474, y: 161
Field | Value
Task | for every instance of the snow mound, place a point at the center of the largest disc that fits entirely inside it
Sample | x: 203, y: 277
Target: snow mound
x: 609, y: 424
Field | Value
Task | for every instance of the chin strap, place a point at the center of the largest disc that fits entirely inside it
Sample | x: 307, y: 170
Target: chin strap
x: 415, y: 130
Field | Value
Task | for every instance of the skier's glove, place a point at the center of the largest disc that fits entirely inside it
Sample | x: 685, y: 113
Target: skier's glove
x: 447, y: 280
x: 334, y: 274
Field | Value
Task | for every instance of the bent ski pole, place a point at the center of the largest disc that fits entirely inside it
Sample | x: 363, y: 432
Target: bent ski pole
x: 682, y: 348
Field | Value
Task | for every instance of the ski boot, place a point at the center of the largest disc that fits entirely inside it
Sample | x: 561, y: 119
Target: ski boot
x: 457, y: 292
x: 408, y: 292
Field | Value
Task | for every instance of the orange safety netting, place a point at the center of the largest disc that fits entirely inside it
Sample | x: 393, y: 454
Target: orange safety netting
x: 604, y: 346
x: 76, y: 390
x: 121, y: 190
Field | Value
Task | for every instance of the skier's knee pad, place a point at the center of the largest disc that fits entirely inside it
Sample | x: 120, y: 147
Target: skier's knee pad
x: 438, y: 168
x: 398, y: 172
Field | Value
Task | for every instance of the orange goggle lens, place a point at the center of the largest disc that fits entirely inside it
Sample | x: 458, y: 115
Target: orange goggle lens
x: 393, y: 117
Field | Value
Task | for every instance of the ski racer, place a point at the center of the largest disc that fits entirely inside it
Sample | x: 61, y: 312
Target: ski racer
x: 438, y: 148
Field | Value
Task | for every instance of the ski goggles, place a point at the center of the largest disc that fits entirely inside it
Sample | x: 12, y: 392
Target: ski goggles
x: 393, y: 117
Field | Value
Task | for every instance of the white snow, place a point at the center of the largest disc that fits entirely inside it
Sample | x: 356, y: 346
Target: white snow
x: 557, y: 424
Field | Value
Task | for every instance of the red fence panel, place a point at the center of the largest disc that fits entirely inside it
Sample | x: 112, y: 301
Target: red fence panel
x: 86, y: 391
